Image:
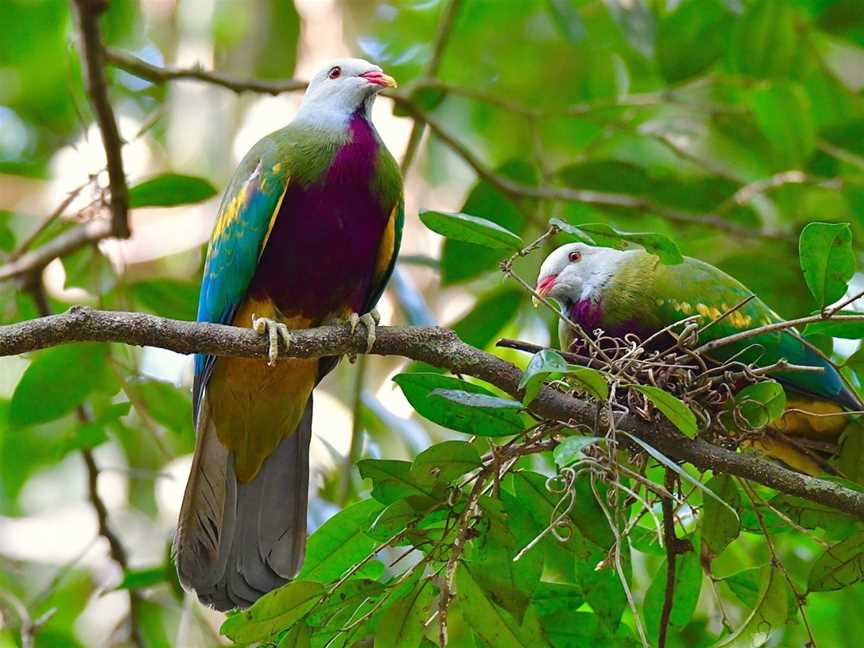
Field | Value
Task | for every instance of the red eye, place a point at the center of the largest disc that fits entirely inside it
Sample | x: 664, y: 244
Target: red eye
x: 334, y: 72
x: 575, y: 256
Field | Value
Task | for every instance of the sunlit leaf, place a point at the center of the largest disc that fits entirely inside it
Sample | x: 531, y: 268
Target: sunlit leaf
x: 58, y: 380
x: 672, y: 407
x: 546, y: 363
x: 446, y: 461
x: 401, y: 626
x: 272, y: 612
x: 571, y: 449
x: 491, y: 623
x: 761, y: 403
x: 339, y: 543
x: 827, y: 260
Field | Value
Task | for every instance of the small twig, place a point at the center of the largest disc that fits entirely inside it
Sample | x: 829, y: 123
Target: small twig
x: 93, y: 54
x: 674, y: 547
x: 43, y: 225
x: 800, y: 599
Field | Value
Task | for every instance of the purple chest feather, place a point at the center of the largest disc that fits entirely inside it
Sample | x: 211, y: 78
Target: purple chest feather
x: 589, y: 315
x: 322, y: 252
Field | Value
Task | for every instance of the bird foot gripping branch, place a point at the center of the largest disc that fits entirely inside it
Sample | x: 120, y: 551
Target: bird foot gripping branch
x: 274, y: 331
x: 370, y: 320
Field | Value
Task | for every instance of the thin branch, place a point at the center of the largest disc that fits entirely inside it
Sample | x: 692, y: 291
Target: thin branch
x: 35, y: 261
x: 157, y: 74
x: 93, y: 55
x: 510, y: 187
x: 43, y: 225
x: 434, y: 345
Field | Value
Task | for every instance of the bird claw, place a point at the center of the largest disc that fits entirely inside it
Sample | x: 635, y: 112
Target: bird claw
x: 370, y: 320
x: 274, y: 331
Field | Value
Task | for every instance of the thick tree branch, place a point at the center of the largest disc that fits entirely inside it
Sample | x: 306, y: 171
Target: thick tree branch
x: 93, y: 54
x: 434, y: 345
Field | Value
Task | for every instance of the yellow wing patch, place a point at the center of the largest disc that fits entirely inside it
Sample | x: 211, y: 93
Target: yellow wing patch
x: 388, y: 244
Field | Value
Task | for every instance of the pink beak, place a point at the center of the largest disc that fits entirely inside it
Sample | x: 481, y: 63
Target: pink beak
x: 377, y: 77
x: 545, y: 286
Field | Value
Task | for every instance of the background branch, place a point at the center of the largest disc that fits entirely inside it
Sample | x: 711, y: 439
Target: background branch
x: 93, y: 55
x: 434, y: 345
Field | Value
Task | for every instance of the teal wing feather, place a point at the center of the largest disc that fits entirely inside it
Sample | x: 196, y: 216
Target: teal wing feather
x: 244, y: 220
x: 697, y: 288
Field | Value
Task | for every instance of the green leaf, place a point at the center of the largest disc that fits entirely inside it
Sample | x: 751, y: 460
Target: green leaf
x: 554, y: 597
x: 542, y: 364
x: 673, y: 408
x: 605, y: 235
x: 485, y: 421
x: 339, y: 543
x: 445, y: 462
x: 490, y: 314
x: 140, y: 578
x: 401, y: 626
x: 546, y: 362
x: 767, y: 617
x: 688, y: 582
x: 692, y: 37
x: 393, y: 480
x: 344, y: 600
x: 57, y: 381
x: 783, y: 114
x: 461, y: 261
x: 766, y: 38
x: 165, y: 403
x: 811, y: 515
x: 571, y: 449
x: 392, y: 520
x: 746, y: 585
x: 570, y: 628
x: 172, y: 298
x: 490, y: 557
x: 719, y: 525
x: 170, y: 189
x: 272, y: 612
x: 761, y: 403
x: 299, y: 636
x: 471, y: 229
x: 492, y: 624
x: 838, y: 328
x: 827, y: 260
x: 839, y: 566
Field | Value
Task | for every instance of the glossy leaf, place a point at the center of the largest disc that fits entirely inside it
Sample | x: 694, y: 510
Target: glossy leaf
x: 761, y: 403
x: 672, y: 407
x: 572, y: 449
x: 547, y: 363
x: 471, y: 229
x: 605, y: 235
x: 401, y: 626
x: 445, y: 461
x: 488, y: 421
x: 169, y: 190
x: 491, y: 623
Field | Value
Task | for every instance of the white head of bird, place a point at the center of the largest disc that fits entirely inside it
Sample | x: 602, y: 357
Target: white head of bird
x: 576, y: 271
x: 340, y: 89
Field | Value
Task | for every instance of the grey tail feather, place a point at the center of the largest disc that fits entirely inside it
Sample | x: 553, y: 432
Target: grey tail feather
x: 236, y: 542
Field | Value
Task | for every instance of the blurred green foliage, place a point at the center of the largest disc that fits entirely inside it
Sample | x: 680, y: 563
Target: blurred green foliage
x: 701, y: 107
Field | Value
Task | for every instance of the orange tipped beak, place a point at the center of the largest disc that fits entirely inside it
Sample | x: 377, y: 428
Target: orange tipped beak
x: 376, y: 77
x: 544, y: 287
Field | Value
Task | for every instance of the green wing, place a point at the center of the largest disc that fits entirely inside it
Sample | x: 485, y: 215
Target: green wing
x: 697, y: 288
